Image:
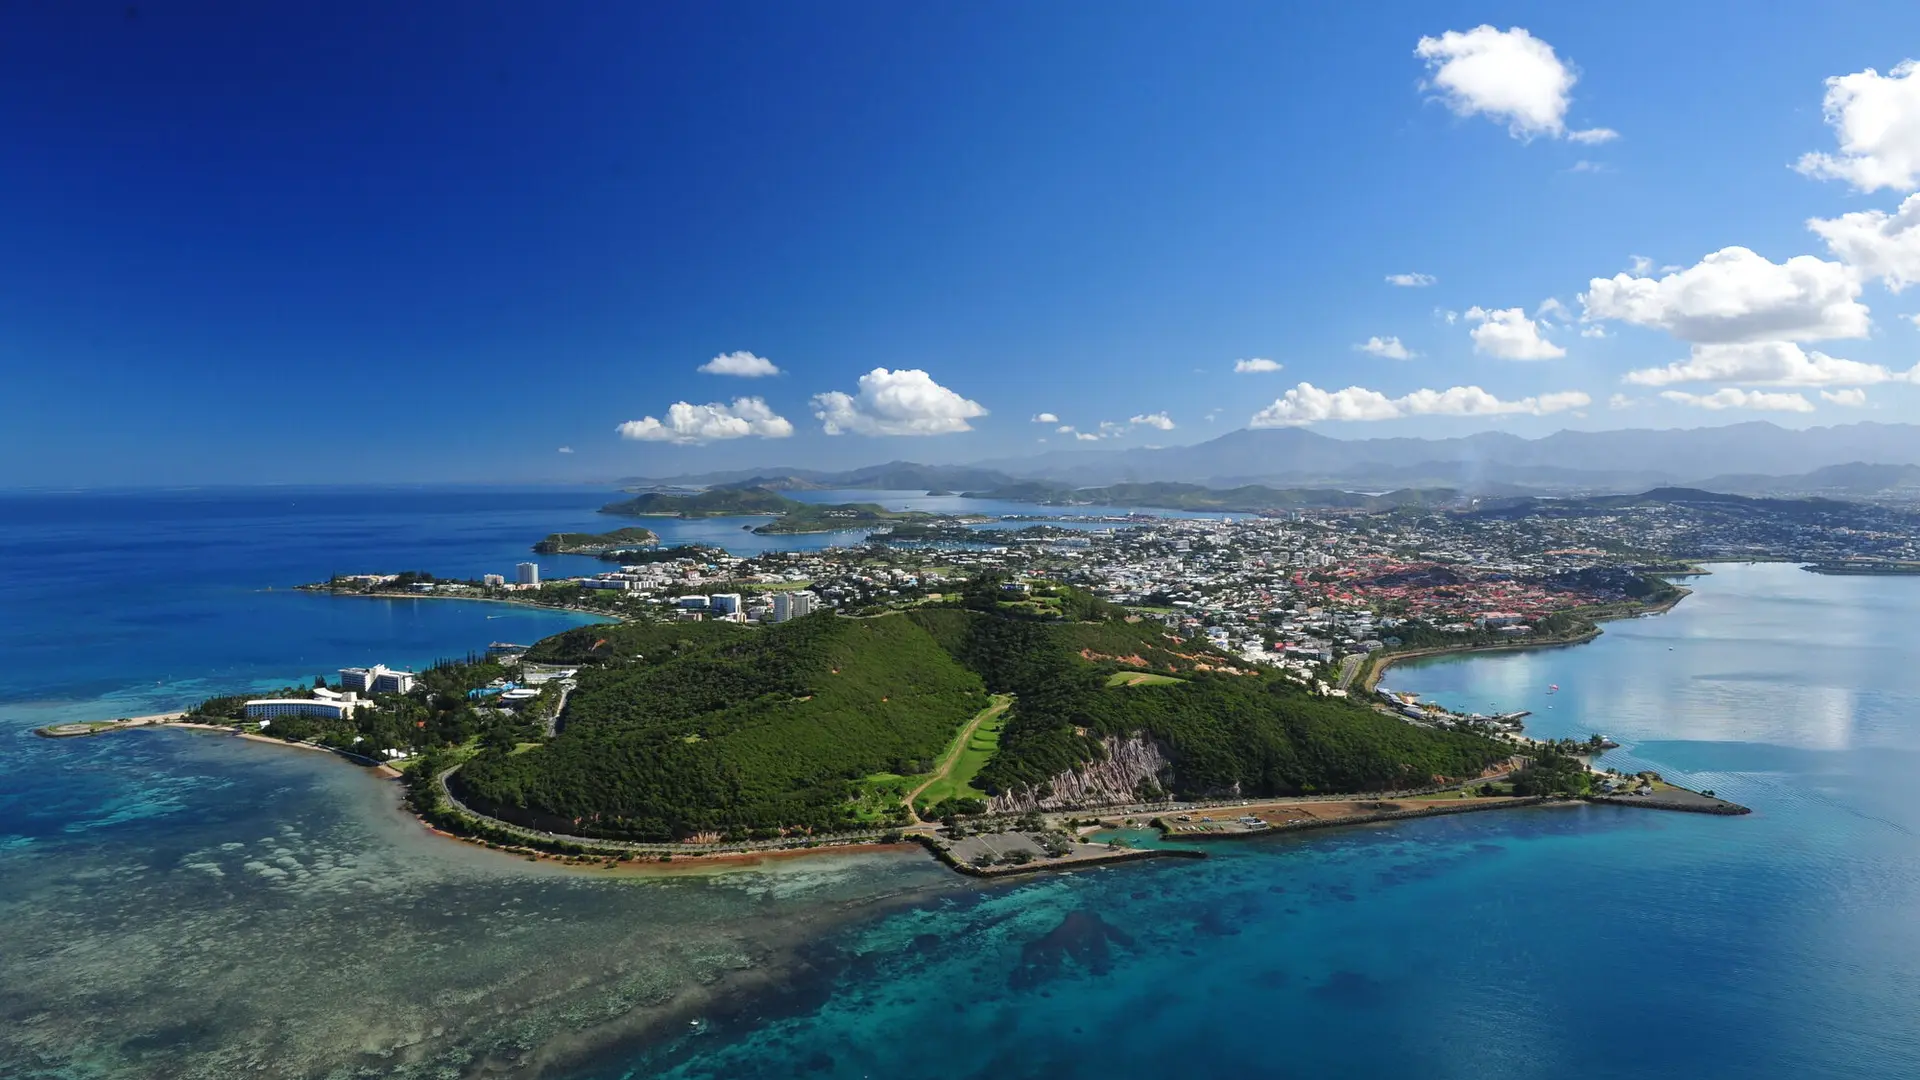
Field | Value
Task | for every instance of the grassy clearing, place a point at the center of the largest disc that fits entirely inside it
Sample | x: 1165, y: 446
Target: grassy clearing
x: 1140, y: 678
x: 964, y: 760
x: 879, y: 794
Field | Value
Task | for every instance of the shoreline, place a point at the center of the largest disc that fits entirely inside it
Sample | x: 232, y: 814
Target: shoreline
x: 668, y: 858
x: 321, y: 590
x: 1376, y: 666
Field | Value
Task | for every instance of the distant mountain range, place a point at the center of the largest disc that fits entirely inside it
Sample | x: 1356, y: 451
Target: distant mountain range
x: 1854, y: 460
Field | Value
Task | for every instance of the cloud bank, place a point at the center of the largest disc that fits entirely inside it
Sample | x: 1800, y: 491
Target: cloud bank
x: 744, y: 365
x: 903, y: 402
x: 1387, y: 347
x: 1508, y: 334
x: 1308, y: 404
x: 1876, y: 119
x: 688, y: 424
x: 1508, y: 76
x: 1736, y: 295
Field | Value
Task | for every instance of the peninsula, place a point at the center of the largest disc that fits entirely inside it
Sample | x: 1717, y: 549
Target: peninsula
x: 1003, y: 728
x: 615, y: 543
x: 789, y: 515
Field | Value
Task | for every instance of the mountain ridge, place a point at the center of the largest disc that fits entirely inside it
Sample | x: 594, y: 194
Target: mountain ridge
x: 1489, y: 463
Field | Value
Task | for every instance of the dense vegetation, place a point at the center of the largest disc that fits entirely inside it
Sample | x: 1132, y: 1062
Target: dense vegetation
x: 681, y: 730
x: 1552, y: 773
x: 630, y: 642
x: 574, y: 543
x: 1251, y: 733
x: 712, y: 503
x: 790, y: 515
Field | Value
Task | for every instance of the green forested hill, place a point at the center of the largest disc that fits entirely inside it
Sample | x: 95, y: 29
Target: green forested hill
x: 711, y: 503
x: 740, y: 733
x: 790, y: 515
x: 684, y: 729
x: 1257, y: 731
x: 655, y: 642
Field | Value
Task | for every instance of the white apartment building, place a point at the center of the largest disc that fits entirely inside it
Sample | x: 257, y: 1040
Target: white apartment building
x: 268, y: 708
x: 378, y: 679
x: 794, y: 605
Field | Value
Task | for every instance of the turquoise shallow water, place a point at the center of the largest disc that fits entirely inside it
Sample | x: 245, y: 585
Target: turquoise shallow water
x: 183, y: 906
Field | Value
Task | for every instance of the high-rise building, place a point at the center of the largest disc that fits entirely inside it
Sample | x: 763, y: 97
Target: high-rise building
x: 724, y: 603
x: 526, y: 573
x: 796, y: 604
x: 492, y: 579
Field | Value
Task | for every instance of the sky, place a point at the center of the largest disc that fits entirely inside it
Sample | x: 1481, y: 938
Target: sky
x: 469, y: 242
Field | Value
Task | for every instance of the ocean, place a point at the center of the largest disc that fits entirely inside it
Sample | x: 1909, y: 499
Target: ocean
x: 178, y: 905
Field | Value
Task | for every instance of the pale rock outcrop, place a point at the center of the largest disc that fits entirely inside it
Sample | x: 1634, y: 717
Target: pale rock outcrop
x: 1115, y: 779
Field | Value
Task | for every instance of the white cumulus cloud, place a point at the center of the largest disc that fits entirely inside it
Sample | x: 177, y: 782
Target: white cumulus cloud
x: 1639, y: 265
x: 1732, y: 398
x: 1388, y: 347
x: 1852, y: 399
x: 1045, y: 418
x: 1765, y: 363
x: 1509, y: 76
x: 687, y: 423
x: 1255, y: 365
x: 1153, y: 420
x: 1621, y: 401
x: 1308, y: 404
x: 903, y: 402
x: 1086, y: 436
x: 1876, y: 243
x: 743, y: 364
x: 1735, y: 295
x: 1508, y: 334
x: 1411, y: 281
x: 1876, y: 119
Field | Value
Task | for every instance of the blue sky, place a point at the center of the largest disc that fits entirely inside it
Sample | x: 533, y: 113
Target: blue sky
x: 441, y: 242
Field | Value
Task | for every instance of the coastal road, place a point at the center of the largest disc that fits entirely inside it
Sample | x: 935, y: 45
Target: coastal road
x: 1349, y: 667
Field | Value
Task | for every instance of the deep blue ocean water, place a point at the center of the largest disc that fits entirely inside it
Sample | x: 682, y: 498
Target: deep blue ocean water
x: 174, y: 905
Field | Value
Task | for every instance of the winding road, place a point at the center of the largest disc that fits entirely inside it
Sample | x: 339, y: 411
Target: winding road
x: 959, y: 747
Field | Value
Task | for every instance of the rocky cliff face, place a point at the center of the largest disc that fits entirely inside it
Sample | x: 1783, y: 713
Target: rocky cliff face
x: 1098, y: 783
